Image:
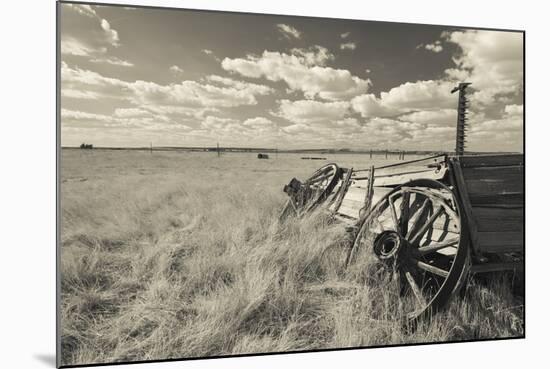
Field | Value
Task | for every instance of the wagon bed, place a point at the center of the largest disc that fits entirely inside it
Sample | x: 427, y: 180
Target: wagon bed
x: 436, y: 219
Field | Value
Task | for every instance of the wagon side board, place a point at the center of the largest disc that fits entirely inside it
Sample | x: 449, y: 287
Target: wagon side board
x: 374, y: 183
x: 491, y: 190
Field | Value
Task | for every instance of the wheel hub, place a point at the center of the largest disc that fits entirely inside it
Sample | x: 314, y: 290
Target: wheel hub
x: 388, y: 246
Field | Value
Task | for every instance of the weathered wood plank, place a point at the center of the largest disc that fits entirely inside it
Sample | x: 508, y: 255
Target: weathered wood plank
x: 395, y: 180
x: 365, y: 210
x: 355, y: 193
x: 510, y: 172
x: 496, y: 267
x: 501, y: 187
x: 499, y: 242
x: 512, y: 200
x: 379, y: 193
x: 345, y: 209
x: 491, y: 160
x: 343, y: 188
x: 498, y: 219
x: 465, y: 201
x: 354, y: 204
x: 424, y: 162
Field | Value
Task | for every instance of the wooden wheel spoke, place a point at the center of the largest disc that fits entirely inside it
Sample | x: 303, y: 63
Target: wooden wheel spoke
x: 393, y: 213
x: 418, y: 236
x: 414, y: 287
x: 416, y: 218
x: 432, y: 269
x: 404, y: 217
x: 424, y: 250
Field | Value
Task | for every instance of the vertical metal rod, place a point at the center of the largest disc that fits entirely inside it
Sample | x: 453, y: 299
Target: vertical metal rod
x: 462, y: 118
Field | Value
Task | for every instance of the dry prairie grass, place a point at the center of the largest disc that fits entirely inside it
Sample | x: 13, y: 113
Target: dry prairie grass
x: 182, y: 255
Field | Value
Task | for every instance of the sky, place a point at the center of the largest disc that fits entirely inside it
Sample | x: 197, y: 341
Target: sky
x: 132, y: 76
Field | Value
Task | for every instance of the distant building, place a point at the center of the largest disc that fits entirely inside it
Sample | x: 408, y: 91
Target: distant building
x: 86, y: 146
x: 263, y: 156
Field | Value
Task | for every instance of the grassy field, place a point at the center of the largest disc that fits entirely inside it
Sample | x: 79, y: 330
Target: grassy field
x: 176, y: 255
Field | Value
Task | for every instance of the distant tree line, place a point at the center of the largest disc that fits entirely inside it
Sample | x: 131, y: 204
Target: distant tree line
x: 86, y: 146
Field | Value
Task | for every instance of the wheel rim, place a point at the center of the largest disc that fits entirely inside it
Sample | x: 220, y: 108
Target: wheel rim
x: 415, y: 232
x: 320, y: 185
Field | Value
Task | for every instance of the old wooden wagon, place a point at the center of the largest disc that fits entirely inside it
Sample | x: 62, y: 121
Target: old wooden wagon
x: 432, y: 220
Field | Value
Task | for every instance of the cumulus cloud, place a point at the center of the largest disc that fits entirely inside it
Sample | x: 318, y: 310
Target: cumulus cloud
x: 215, y: 92
x: 79, y: 94
x: 110, y: 35
x: 309, y: 111
x: 300, y: 75
x: 131, y: 112
x: 348, y: 46
x: 410, y: 96
x: 72, y: 46
x: 86, y: 10
x: 176, y: 69
x: 287, y: 31
x: 113, y: 61
x: 207, y: 51
x: 314, y: 55
x: 491, y: 60
x: 513, y: 110
x: 436, y: 47
x: 442, y: 117
x: 260, y: 124
x: 345, y: 34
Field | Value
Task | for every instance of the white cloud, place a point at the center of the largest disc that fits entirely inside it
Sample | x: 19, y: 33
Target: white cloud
x: 436, y: 47
x: 131, y: 112
x: 112, y: 34
x: 186, y: 93
x: 513, y: 110
x: 491, y: 60
x: 288, y: 31
x: 113, y: 61
x: 207, y: 51
x: 345, y: 34
x: 260, y: 123
x: 442, y: 117
x: 408, y: 97
x: 314, y: 55
x: 309, y: 111
x: 176, y: 69
x: 299, y: 74
x: 348, y: 46
x: 72, y: 46
x: 194, y: 94
x: 79, y: 94
x: 86, y: 10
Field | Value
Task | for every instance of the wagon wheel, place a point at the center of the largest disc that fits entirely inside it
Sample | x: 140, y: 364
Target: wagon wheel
x: 416, y: 233
x: 316, y: 189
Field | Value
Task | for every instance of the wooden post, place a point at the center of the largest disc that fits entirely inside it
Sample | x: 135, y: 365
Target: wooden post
x: 386, y: 153
x: 371, y: 153
x: 218, y: 148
